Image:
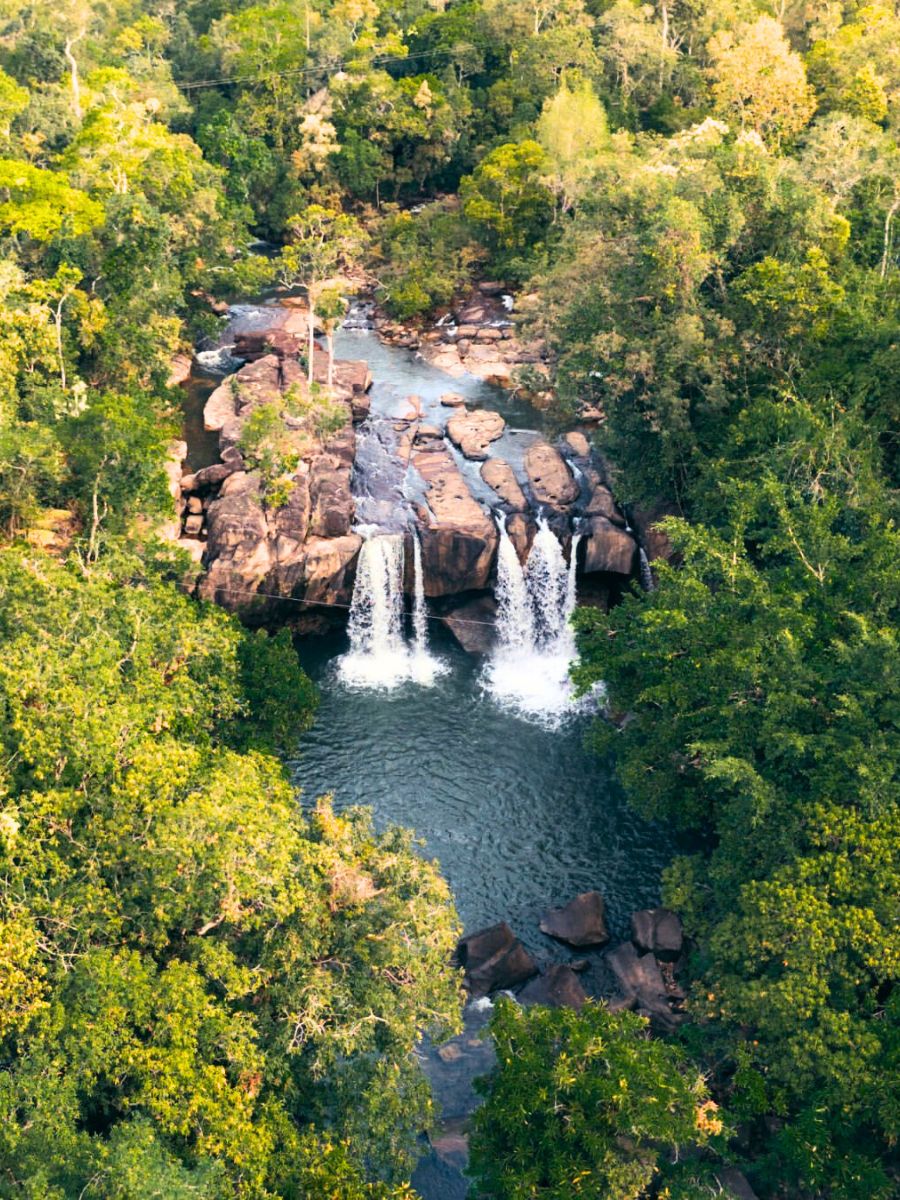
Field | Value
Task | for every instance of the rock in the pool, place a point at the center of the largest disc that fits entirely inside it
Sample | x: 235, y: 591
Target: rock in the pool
x: 582, y: 922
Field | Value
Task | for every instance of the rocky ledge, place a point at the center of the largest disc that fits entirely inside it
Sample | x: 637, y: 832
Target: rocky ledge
x: 273, y: 552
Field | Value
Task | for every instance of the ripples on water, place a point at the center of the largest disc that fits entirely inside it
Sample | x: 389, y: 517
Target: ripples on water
x: 519, y: 816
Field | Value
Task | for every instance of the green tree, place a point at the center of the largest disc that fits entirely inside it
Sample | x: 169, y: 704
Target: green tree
x: 505, y: 197
x: 583, y: 1104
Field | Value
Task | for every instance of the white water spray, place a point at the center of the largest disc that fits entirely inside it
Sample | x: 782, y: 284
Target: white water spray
x: 529, y: 670
x: 515, y: 625
x: 379, y: 655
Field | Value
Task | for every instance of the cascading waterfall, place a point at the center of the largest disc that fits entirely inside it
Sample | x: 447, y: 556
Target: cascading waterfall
x: 515, y: 625
x: 529, y: 669
x: 379, y: 654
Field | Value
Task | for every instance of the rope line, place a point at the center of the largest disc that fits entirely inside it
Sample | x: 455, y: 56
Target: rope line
x: 407, y: 612
x: 195, y: 85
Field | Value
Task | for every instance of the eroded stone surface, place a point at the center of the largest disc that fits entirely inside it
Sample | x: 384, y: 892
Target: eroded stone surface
x: 474, y: 431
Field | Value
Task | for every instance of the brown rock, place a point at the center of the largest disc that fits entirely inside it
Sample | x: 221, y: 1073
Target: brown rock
x: 458, y: 540
x: 659, y: 932
x: 521, y: 530
x: 489, y: 334
x: 549, y: 476
x: 332, y: 502
x: 194, y: 505
x: 472, y: 624
x: 499, y: 475
x: 578, y: 444
x: 221, y: 406
x: 467, y: 331
x: 474, y: 431
x: 654, y: 540
x: 608, y: 548
x: 179, y: 370
x: 601, y: 503
x: 559, y: 987
x: 493, y: 960
x: 582, y: 922
x: 453, y: 400
x: 193, y: 524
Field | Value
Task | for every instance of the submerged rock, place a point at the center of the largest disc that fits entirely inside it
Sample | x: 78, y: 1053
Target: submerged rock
x: 582, y: 922
x: 472, y: 624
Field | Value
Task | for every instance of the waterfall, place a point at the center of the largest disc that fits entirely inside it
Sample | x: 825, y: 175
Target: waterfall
x: 647, y: 581
x: 379, y: 654
x: 515, y: 627
x: 547, y: 578
x: 529, y: 669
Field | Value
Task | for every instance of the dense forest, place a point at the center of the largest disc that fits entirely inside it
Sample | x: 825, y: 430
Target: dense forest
x: 206, y: 991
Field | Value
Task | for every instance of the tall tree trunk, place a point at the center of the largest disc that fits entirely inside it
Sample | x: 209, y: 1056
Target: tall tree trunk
x: 73, y: 73
x: 312, y: 340
x: 888, y: 222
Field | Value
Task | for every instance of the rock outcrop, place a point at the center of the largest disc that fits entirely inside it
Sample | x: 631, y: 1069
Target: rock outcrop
x: 458, y: 539
x: 607, y: 547
x: 472, y: 624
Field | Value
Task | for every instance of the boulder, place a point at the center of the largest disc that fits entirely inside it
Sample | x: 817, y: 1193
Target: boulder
x: 453, y: 400
x: 601, y: 502
x: 328, y: 567
x: 637, y: 975
x: 549, y: 477
x: 467, y: 331
x: 499, y: 475
x: 734, y: 1184
x: 221, y: 406
x: 474, y: 431
x: 491, y: 287
x: 658, y: 931
x: 489, y: 334
x: 558, y: 987
x: 193, y: 524
x: 493, y: 960
x: 582, y: 922
x: 654, y: 540
x: 521, y: 530
x: 578, y: 444
x: 179, y: 370
x: 608, y: 548
x: 472, y: 624
x: 208, y: 477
